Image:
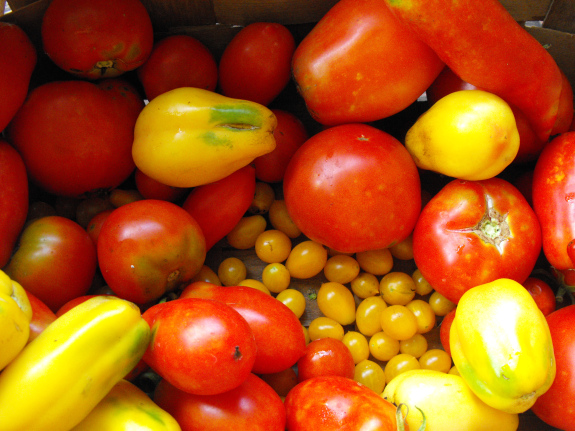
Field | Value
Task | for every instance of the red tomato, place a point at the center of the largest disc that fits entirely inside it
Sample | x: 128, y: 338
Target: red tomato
x: 18, y: 60
x: 72, y: 303
x: 277, y: 330
x: 76, y: 137
x: 542, y: 294
x: 353, y: 188
x: 95, y: 224
x: 200, y: 346
x: 565, y: 111
x: 149, y: 188
x: 13, y: 199
x: 290, y: 134
x: 219, y: 206
x: 474, y: 232
x: 256, y: 63
x: 55, y: 260
x: 42, y: 316
x: 555, y: 406
x: 331, y: 403
x: 253, y: 406
x: 356, y: 65
x: 178, y: 61
x: 149, y: 247
x: 444, y: 330
x: 99, y: 39
x: 325, y: 357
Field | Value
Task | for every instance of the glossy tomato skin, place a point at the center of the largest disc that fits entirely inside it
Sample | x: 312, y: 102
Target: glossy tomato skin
x: 325, y: 357
x: 256, y: 63
x: 95, y: 40
x: 353, y: 188
x: 330, y: 403
x: 474, y: 232
x: 201, y: 346
x: 55, y: 260
x: 253, y: 406
x: 42, y: 316
x: 149, y: 247
x: 75, y: 137
x: 542, y: 293
x: 555, y: 406
x: 149, y: 188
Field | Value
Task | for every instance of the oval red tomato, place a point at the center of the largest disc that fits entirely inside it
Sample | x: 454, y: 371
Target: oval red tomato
x: 353, y: 188
x: 149, y: 188
x: 325, y: 357
x: 542, y: 293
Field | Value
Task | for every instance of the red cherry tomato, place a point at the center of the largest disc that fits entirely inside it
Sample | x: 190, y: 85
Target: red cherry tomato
x: 444, y: 328
x: 149, y: 188
x: 542, y: 294
x: 42, y: 316
x: 325, y: 357
x: 95, y: 224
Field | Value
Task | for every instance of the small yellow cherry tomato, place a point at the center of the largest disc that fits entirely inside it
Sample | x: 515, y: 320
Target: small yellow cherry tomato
x: 264, y: 196
x: 397, y: 288
x: 336, y: 301
x: 398, y: 322
x: 365, y: 285
x: 376, y: 262
x: 244, y: 234
x: 276, y: 277
x: 293, y: 299
x: 273, y: 246
x: 306, y: 335
x: 357, y: 344
x: 403, y: 250
x: 440, y: 304
x: 383, y: 347
x: 415, y: 346
x: 341, y: 268
x: 256, y: 284
x: 231, y: 271
x: 369, y: 373
x: 306, y: 259
x: 368, y: 315
x: 324, y: 327
x: 423, y: 314
x: 399, y: 364
x: 207, y: 274
x: 281, y: 220
x: 436, y: 359
x: 422, y: 286
x: 454, y: 370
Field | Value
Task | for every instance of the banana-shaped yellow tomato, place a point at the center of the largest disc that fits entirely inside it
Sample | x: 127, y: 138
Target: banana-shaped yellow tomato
x: 190, y: 136
x: 501, y: 345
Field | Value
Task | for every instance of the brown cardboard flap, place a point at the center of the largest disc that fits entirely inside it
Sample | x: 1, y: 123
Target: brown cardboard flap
x: 561, y: 16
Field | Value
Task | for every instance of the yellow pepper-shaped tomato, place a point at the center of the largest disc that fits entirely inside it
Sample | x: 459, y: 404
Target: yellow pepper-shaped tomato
x: 501, y: 345
x: 127, y: 407
x: 15, y: 316
x: 447, y: 403
x: 60, y: 376
x: 468, y: 134
x: 190, y: 136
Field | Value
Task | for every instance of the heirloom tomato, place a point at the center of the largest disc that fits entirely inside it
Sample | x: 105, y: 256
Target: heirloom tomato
x: 474, y: 232
x: 353, y: 188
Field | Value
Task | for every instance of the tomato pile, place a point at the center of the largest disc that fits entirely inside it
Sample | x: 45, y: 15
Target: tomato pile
x: 285, y: 235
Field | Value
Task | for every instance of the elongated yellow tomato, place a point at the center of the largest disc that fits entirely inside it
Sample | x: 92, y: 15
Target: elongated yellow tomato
x: 501, y: 345
x: 447, y: 403
x: 60, y: 376
x: 190, y: 136
x: 468, y: 134
x: 127, y: 407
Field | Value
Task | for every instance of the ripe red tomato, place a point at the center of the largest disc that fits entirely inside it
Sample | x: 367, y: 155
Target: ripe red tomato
x: 444, y: 329
x: 178, y: 61
x: 325, y: 357
x: 149, y: 247
x: 149, y: 188
x: 55, y: 260
x: 96, y: 40
x: 253, y: 406
x: 330, y: 403
x: 76, y: 137
x: 200, y: 346
x: 473, y: 232
x: 95, y: 224
x: 555, y: 406
x: 542, y: 294
x: 42, y: 316
x: 353, y: 188
x: 256, y: 63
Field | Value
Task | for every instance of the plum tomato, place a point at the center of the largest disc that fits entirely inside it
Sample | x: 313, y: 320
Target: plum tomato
x: 326, y: 357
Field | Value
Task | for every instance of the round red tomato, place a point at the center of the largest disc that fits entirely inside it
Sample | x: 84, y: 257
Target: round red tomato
x: 542, y: 294
x: 325, y: 357
x: 353, y: 188
x: 555, y: 406
x: 256, y: 63
x: 97, y: 39
x: 474, y: 232
x: 200, y: 346
x: 253, y: 406
x: 149, y: 188
x: 331, y: 403
x: 149, y: 247
x: 444, y: 329
x: 55, y: 260
x: 42, y: 316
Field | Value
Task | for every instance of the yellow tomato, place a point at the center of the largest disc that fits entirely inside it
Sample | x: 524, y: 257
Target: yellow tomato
x: 440, y: 305
x: 424, y: 315
x: 281, y: 220
x: 403, y: 250
x: 383, y: 347
x: 245, y: 233
x: 368, y: 315
x: 398, y: 322
x: 397, y: 288
x: 415, y: 346
x: 273, y: 246
x: 336, y: 301
x: 341, y: 268
x: 276, y: 277
x: 435, y: 359
x: 264, y: 196
x: 422, y: 286
x: 256, y: 284
x: 370, y: 373
x: 357, y: 344
x: 400, y: 364
x: 306, y: 259
x: 231, y: 271
x: 324, y: 327
x: 376, y: 262
x: 293, y: 299
x: 208, y: 275
x: 365, y: 285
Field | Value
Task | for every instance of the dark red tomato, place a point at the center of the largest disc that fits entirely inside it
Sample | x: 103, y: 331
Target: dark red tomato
x: 282, y: 382
x: 219, y: 206
x: 75, y: 137
x: 95, y: 224
x: 555, y: 406
x: 94, y: 40
x: 178, y: 61
x: 325, y: 357
x: 256, y: 63
x: 542, y: 294
x: 55, y: 260
x: 200, y: 346
x: 13, y: 199
x: 444, y: 329
x: 42, y: 316
x: 290, y: 134
x: 17, y: 62
x: 277, y: 330
x: 353, y: 188
x: 149, y: 247
x: 72, y: 303
x: 474, y: 232
x: 331, y: 403
x: 149, y: 188
x: 253, y: 406
x: 565, y: 110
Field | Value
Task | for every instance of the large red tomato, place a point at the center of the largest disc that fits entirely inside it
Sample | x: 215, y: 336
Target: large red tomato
x: 353, y: 188
x: 97, y: 39
x: 474, y: 232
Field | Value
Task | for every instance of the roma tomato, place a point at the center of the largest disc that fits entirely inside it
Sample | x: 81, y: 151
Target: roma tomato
x: 201, y: 346
x: 149, y: 247
x: 330, y: 403
x: 253, y: 405
x: 474, y: 232
x: 96, y: 40
x: 55, y: 260
x: 353, y: 188
x: 326, y: 357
